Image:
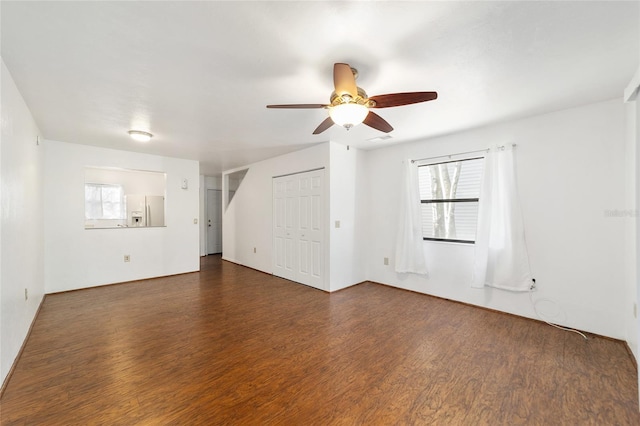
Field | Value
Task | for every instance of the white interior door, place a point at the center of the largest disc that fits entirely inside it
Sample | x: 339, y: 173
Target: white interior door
x: 285, y: 202
x: 214, y: 221
x: 310, y: 229
x: 298, y: 227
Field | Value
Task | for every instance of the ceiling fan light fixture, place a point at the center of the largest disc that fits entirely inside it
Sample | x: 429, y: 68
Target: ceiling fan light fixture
x: 348, y: 115
x: 140, y: 135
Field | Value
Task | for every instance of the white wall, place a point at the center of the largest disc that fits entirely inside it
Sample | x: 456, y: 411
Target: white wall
x: 637, y: 234
x: 78, y: 258
x: 571, y: 172
x: 247, y: 221
x: 346, y: 205
x: 21, y: 223
x: 636, y: 167
x: 631, y: 212
x: 213, y: 182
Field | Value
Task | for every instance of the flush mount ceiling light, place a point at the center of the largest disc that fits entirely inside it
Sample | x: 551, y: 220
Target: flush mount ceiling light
x: 140, y: 136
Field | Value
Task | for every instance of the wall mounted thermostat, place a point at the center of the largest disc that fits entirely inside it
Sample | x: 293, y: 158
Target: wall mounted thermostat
x: 185, y: 184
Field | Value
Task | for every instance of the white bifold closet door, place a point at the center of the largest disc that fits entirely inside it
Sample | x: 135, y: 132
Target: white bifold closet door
x: 298, y: 227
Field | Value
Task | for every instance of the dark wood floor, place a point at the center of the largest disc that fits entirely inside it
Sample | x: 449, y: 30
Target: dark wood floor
x: 230, y: 345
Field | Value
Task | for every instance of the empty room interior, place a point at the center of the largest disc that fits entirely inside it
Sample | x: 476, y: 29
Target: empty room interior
x: 319, y: 212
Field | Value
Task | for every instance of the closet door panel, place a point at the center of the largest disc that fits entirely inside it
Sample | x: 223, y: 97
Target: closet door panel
x: 298, y: 228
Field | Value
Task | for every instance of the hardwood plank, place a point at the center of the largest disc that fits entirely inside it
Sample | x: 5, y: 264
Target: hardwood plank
x: 230, y: 345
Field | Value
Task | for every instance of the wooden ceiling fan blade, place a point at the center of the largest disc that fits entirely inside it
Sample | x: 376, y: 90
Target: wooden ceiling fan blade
x: 344, y: 81
x: 328, y: 122
x: 374, y: 120
x: 298, y: 106
x: 399, y: 99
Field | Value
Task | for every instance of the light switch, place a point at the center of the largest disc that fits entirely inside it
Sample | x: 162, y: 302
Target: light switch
x: 195, y: 221
x: 337, y: 224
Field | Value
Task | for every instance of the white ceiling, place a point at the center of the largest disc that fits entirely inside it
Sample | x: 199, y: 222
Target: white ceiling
x: 199, y: 74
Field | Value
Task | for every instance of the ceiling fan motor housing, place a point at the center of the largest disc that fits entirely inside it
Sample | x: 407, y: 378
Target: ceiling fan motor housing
x: 361, y: 99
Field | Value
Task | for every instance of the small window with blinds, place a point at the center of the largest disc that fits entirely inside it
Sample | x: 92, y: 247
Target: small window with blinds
x: 449, y: 193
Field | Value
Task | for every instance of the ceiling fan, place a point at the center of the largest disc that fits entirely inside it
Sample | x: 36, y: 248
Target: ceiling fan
x: 349, y: 104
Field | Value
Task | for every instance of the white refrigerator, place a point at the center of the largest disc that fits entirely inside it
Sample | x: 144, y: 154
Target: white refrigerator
x: 145, y: 210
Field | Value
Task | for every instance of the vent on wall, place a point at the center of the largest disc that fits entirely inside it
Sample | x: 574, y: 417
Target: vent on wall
x: 380, y: 138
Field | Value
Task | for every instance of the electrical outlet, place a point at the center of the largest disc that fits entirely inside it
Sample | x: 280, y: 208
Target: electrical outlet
x: 386, y: 261
x: 127, y: 258
x: 26, y: 294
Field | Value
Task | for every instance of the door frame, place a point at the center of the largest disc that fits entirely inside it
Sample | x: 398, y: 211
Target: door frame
x: 206, y: 220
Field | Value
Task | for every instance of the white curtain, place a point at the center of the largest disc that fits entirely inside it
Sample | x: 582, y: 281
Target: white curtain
x: 501, y: 258
x: 409, y: 246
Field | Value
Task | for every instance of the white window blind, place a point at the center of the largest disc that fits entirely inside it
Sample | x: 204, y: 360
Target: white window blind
x: 449, y: 194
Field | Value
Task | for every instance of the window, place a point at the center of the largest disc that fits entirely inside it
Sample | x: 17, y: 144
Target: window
x: 449, y: 193
x: 103, y: 201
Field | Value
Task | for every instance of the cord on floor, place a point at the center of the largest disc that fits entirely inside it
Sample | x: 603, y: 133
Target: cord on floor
x: 535, y: 309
